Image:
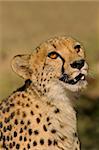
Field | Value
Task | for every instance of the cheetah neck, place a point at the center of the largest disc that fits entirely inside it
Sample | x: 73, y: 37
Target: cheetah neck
x: 61, y: 98
x: 58, y: 98
x: 55, y: 93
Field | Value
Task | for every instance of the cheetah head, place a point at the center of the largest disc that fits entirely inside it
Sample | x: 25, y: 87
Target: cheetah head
x: 59, y: 59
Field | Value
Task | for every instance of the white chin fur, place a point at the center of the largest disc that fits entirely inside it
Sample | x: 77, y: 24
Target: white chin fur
x: 76, y: 87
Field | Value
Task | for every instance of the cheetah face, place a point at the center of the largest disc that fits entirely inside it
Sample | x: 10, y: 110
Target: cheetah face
x: 59, y: 59
x: 68, y: 62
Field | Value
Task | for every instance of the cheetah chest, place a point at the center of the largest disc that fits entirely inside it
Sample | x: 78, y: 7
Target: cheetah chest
x: 27, y: 123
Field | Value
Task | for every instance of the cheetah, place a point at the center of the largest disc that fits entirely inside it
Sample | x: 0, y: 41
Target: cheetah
x: 40, y: 115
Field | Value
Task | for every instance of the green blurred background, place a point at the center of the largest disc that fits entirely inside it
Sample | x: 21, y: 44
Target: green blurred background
x: 24, y: 25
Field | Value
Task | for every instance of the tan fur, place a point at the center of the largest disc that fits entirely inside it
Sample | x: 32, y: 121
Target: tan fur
x: 40, y: 116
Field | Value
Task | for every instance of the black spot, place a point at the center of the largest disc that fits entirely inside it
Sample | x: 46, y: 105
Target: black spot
x: 18, y: 111
x: 75, y: 134
x: 23, y: 96
x: 36, y: 106
x: 28, y: 146
x: 25, y: 127
x: 10, y: 145
x: 9, y: 127
x: 48, y: 103
x: 17, y: 146
x: 40, y: 115
x: 57, y: 110
x: 12, y: 99
x: 12, y: 105
x: 1, y: 125
x: 49, y: 123
x: 16, y: 121
x: 34, y: 143
x: 42, y: 74
x: 55, y: 142
x: 53, y: 131
x: 41, y: 141
x: 47, y: 119
x: 54, y: 46
x: 11, y: 138
x: 4, y: 138
x: 43, y: 67
x: 15, y: 134
x: 12, y: 115
x: 28, y: 99
x: 30, y: 140
x: 30, y: 131
x: 27, y: 105
x: 45, y: 90
x: 4, y: 129
x: 18, y: 102
x: 36, y: 132
x: 43, y: 85
x: 21, y: 130
x: 38, y: 120
x: 44, y: 127
x: 3, y: 111
x: 8, y: 108
x: 22, y: 122
x: 6, y: 120
x: 23, y: 104
x: 77, y: 142
x: 25, y: 139
x: 24, y: 115
x: 8, y: 138
x: 32, y: 112
x: 4, y: 146
x: 61, y: 126
x: 49, y: 142
x: 62, y: 138
x: 13, y: 143
x: 28, y: 123
x: 20, y: 138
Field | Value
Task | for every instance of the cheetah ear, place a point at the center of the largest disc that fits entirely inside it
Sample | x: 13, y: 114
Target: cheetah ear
x: 20, y: 65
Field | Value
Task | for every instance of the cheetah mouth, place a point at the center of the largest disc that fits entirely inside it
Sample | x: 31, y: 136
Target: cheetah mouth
x: 65, y: 78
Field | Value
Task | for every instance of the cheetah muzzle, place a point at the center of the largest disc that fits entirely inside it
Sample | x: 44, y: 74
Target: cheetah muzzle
x: 65, y: 78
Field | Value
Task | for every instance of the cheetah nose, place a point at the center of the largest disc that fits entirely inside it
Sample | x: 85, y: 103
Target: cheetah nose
x: 78, y: 64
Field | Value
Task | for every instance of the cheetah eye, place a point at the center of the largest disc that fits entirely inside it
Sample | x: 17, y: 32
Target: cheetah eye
x: 53, y: 55
x: 77, y: 48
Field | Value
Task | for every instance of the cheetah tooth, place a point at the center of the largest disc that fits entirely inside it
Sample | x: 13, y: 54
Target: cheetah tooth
x: 74, y: 80
x: 83, y: 77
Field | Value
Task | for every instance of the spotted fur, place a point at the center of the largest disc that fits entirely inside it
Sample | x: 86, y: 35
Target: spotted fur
x: 40, y: 115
